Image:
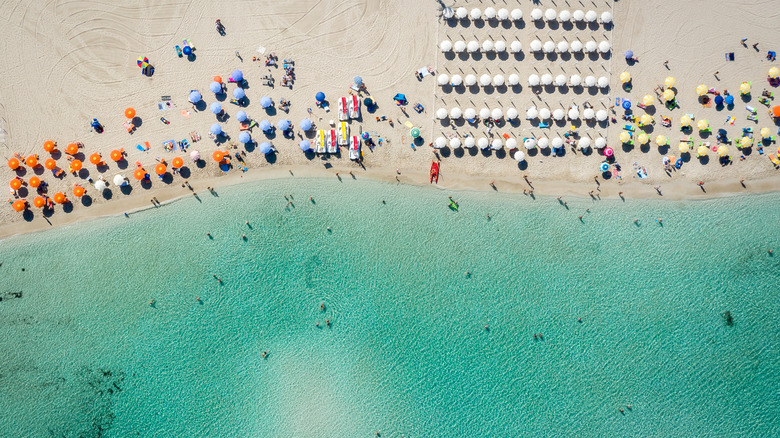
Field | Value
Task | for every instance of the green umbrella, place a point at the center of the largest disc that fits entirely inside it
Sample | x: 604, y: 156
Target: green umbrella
x: 415, y: 132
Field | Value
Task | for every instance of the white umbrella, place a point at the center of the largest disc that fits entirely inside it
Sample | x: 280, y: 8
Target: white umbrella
x: 578, y: 15
x: 576, y: 46
x: 601, y: 115
x: 604, y: 47
x: 490, y: 13
x: 469, y: 142
x: 473, y: 46
x: 445, y: 46
x: 119, y: 180
x: 529, y: 143
x: 443, y: 79
x: 536, y: 45
x: 456, y: 113
x: 550, y: 15
x: 588, y: 114
x: 519, y: 155
x: 516, y: 14
x: 590, y: 81
x: 583, y: 143
x: 564, y: 16
x: 548, y: 47
x: 591, y: 16
x: 511, y: 143
x: 469, y: 114
x: 547, y: 79
x: 558, y: 114
x: 447, y: 13
x: 476, y: 14
x: 563, y: 46
x: 455, y: 143
x: 496, y: 114
x: 503, y: 14
x: 470, y: 80
x: 485, y: 80
x: 516, y: 46
x: 591, y: 46
x: 557, y: 142
x: 484, y: 113
x: 487, y: 46
x: 575, y: 80
x: 531, y: 113
x: 483, y: 143
x: 100, y: 185
x: 560, y: 80
x: 513, y: 79
x: 543, y: 143
x: 544, y: 114
x: 456, y: 80
x: 441, y: 113
x: 600, y: 142
x: 574, y: 114
x: 440, y: 142
x: 461, y: 13
x: 606, y: 17
x: 499, y: 46
x: 459, y: 46
x: 498, y: 80
x: 533, y: 80
x: 603, y: 82
x: 511, y: 114
x: 496, y: 144
x: 536, y: 14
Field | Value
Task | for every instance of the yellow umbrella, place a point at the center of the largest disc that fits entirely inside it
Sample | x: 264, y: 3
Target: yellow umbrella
x: 648, y: 100
x: 774, y: 72
x: 662, y: 140
x: 684, y: 147
x: 765, y: 132
x: 668, y: 95
x: 701, y: 151
x: 646, y: 119
x: 685, y: 120
x: 723, y: 150
x: 670, y: 82
x: 703, y: 124
x: 744, y: 88
x: 625, y: 137
x: 625, y: 77
x: 643, y: 138
x: 745, y: 141
x: 701, y: 90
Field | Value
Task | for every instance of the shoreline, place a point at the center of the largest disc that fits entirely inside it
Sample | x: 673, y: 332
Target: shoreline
x: 676, y: 190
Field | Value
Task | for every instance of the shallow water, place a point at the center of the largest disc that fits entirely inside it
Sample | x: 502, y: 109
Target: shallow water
x: 82, y: 352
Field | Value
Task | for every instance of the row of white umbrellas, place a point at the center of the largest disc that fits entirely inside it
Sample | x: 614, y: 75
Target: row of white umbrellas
x: 536, y: 14
x: 559, y: 114
x: 490, y: 13
x: 471, y: 113
x: 529, y: 143
x: 516, y: 46
x: 486, y: 46
x: 564, y: 46
x: 470, y: 142
x: 560, y: 80
x: 483, y: 80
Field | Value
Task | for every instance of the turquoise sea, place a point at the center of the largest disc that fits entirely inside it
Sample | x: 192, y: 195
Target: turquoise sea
x: 407, y: 352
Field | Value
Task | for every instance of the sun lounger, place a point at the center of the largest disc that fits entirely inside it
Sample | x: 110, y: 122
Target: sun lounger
x: 129, y: 126
x: 331, y: 141
x: 354, y: 107
x: 321, y: 148
x: 409, y: 124
x: 354, y: 148
x: 343, y: 134
x: 343, y: 112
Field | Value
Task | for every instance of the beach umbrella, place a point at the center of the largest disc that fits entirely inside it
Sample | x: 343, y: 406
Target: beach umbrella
x: 624, y: 137
x: 218, y: 156
x: 469, y: 142
x: 550, y: 15
x: 701, y: 90
x: 496, y: 114
x: 49, y: 146
x: 513, y: 79
x: 536, y: 45
x: 574, y: 114
x: 100, y: 185
x: 160, y: 169
x: 536, y: 14
x: 662, y: 140
x: 496, y: 144
x: 283, y: 124
x: 358, y: 80
x: 461, y: 13
x: 475, y: 14
x: 648, y: 100
x: 529, y: 143
x: 487, y: 46
x: 604, y: 166
x: 545, y: 114
x: 703, y: 125
x: 718, y: 100
x: 558, y: 114
x: 515, y: 46
x: 265, y: 126
x: 668, y: 95
x: 195, y: 96
x: 629, y: 54
x: 241, y: 116
x: 578, y: 15
x: 547, y: 79
x: 237, y: 76
x: 195, y: 156
x: 774, y: 72
x: 498, y: 80
x: 265, y: 148
x: 72, y: 149
x: 305, y: 145
x: 557, y: 142
x: 60, y: 198
x: 34, y: 182
x: 239, y: 93
x: 119, y: 180
x: 415, y: 132
x: 765, y: 133
x: 589, y: 114
x: 244, y: 137
x: 216, y: 108
x: 670, y: 82
x: 576, y: 46
x: 701, y: 151
x: 485, y: 80
x: 600, y: 142
x: 560, y: 80
x: 215, y: 87
x: 95, y: 158
x: 16, y: 183
x: 217, y: 79
x: 129, y: 113
x: 445, y: 46
x: 456, y: 80
x: 609, y: 152
x: 564, y: 16
x: 142, y: 62
x: 49, y: 163
x: 531, y: 113
x: 320, y: 96
x: 470, y: 114
x: 583, y: 143
x: 729, y: 100
x: 519, y: 156
x: 32, y: 161
x: 563, y: 46
x: 745, y: 142
x: 441, y: 113
x: 177, y: 162
x: 443, y: 79
x: 625, y: 77
x: 470, y: 80
x: 216, y: 129
x: 723, y: 151
x: 440, y: 142
x: 503, y: 14
x: 456, y: 113
x: 626, y: 105
x: 38, y: 202
x: 511, y: 114
x: 455, y: 142
x: 590, y: 81
x: 744, y: 88
x: 601, y: 115
x: 575, y: 80
x: 483, y: 143
x: 187, y: 50
x: 684, y: 147
x: 543, y: 143
x: 646, y: 119
x: 511, y: 143
x: 685, y: 120
x: 76, y: 165
x: 533, y: 80
x: 643, y: 138
x: 266, y: 102
x: 472, y: 47
x: 548, y: 47
x: 603, y: 82
x: 591, y: 16
x: 591, y: 46
x: 459, y: 46
x: 139, y: 174
x: 516, y: 14
x: 499, y: 46
x: 606, y: 17
x: 305, y: 124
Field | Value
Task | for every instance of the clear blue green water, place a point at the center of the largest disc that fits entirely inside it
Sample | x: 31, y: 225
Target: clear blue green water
x: 82, y: 352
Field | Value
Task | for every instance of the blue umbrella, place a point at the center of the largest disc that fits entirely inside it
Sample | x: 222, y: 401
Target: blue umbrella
x: 216, y: 129
x: 729, y: 100
x: 265, y: 147
x: 215, y: 87
x: 320, y: 96
x: 626, y: 105
x: 241, y: 116
x: 239, y: 93
x: 358, y: 80
x: 368, y: 101
x: 265, y: 126
x: 187, y: 50
x: 305, y: 124
x: 265, y: 101
x: 629, y: 54
x: 195, y: 96
x: 216, y: 108
x: 237, y: 76
x: 244, y: 137
x: 283, y: 125
x: 366, y: 136
x: 305, y: 145
x: 604, y: 167
x: 718, y: 100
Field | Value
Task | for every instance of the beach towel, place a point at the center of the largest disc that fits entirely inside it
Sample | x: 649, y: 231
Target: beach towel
x: 169, y: 145
x: 424, y: 71
x: 185, y: 113
x: 642, y: 173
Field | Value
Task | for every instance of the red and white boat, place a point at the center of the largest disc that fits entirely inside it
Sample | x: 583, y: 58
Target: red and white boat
x: 354, y: 107
x: 354, y: 148
x: 343, y: 109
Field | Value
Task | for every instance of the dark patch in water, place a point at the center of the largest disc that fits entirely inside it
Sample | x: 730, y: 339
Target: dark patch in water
x: 10, y: 296
x: 728, y: 318
x: 96, y: 389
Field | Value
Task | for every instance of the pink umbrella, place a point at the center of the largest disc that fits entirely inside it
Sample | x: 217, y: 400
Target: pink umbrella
x: 608, y: 152
x: 195, y: 155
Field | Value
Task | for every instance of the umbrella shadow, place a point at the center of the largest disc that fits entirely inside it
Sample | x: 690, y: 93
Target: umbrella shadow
x: 86, y: 200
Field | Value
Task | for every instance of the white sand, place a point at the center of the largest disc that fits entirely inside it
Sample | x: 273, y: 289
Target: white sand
x: 66, y: 63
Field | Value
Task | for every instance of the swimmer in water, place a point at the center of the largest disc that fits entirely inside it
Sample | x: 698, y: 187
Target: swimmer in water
x: 322, y: 307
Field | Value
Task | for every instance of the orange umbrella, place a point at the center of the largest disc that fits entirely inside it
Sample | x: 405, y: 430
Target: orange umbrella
x: 76, y: 165
x: 116, y: 155
x: 160, y: 169
x: 34, y: 181
x: 78, y: 191
x: 16, y: 183
x: 32, y: 160
x: 50, y: 164
x: 72, y: 149
x: 129, y: 113
x: 139, y: 173
x: 177, y: 162
x: 13, y: 163
x: 20, y: 205
x: 49, y: 146
x: 218, y: 79
x: 95, y: 158
x: 60, y: 198
x: 218, y: 155
x: 39, y: 201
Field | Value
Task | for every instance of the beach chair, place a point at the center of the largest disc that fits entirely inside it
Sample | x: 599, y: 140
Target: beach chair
x: 419, y: 108
x: 730, y: 56
x: 544, y: 125
x: 774, y: 160
x: 243, y: 127
x: 129, y: 126
x: 629, y: 128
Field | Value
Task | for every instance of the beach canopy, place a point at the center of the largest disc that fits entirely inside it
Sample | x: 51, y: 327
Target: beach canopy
x: 744, y: 88
x: 320, y: 96
x: 19, y: 205
x: 564, y: 16
x: 774, y: 72
x: 72, y: 149
x: 685, y: 120
x: 484, y: 113
x: 216, y: 129
x: 529, y: 143
x: 265, y: 126
x: 414, y: 132
x: 718, y: 100
x: 730, y: 101
x: 49, y: 146
x: 266, y: 101
x: 440, y: 142
x: 241, y: 116
x: 765, y: 133
x: 625, y: 77
x: 703, y: 125
x: 543, y: 143
x: 701, y: 90
x: 16, y: 183
x: 487, y: 46
x: 100, y: 185
x: 195, y: 96
x: 560, y: 80
x: 533, y: 80
x: 498, y: 80
x: 76, y: 165
x: 513, y: 79
x: 629, y: 54
x: 195, y: 156
x: 456, y: 80
x: 218, y: 156
x: 531, y: 113
x: 470, y: 114
x: 745, y: 141
x: 358, y: 80
x: 511, y: 143
x: 590, y: 81
x: 475, y: 14
x: 456, y: 113
x: 662, y: 140
x: 578, y: 15
x: 499, y: 46
x: 490, y: 13
x: 670, y: 82
x: 283, y: 125
x: 591, y: 46
x: 511, y: 114
x: 244, y: 137
x: 503, y: 14
x: 519, y: 155
x: 485, y: 80
x: 215, y: 87
x: 589, y: 114
x: 445, y: 46
x: 723, y: 151
x: 668, y: 95
x: 496, y: 114
x: 609, y: 152
x: 38, y: 202
x: 305, y: 124
x: 483, y: 143
x: 216, y: 107
x: 516, y: 14
x: 536, y: 14
x: 305, y: 145
x: 515, y: 46
x: 32, y: 160
x: 496, y: 144
x: 645, y: 120
x: 265, y: 148
x: 237, y: 76
x: 591, y: 16
x: 139, y: 174
x: 576, y: 46
x: 545, y: 113
x: 701, y: 151
x: 441, y: 113
x: 606, y: 17
x: 550, y: 14
x: 142, y: 62
x: 461, y: 13
x: 469, y: 142
x: 443, y: 79
x: 563, y: 47
x: 49, y: 163
x: 239, y: 93
x: 95, y: 158
x: 574, y: 114
x: 604, y: 166
x: 459, y: 46
x: 583, y: 143
x: 601, y: 115
x: 648, y: 100
x: 60, y: 198
x: 558, y: 114
x: 35, y: 181
x: 600, y: 142
x: 603, y: 82
x: 684, y: 147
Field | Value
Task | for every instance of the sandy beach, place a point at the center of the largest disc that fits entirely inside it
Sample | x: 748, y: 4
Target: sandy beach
x: 67, y: 64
